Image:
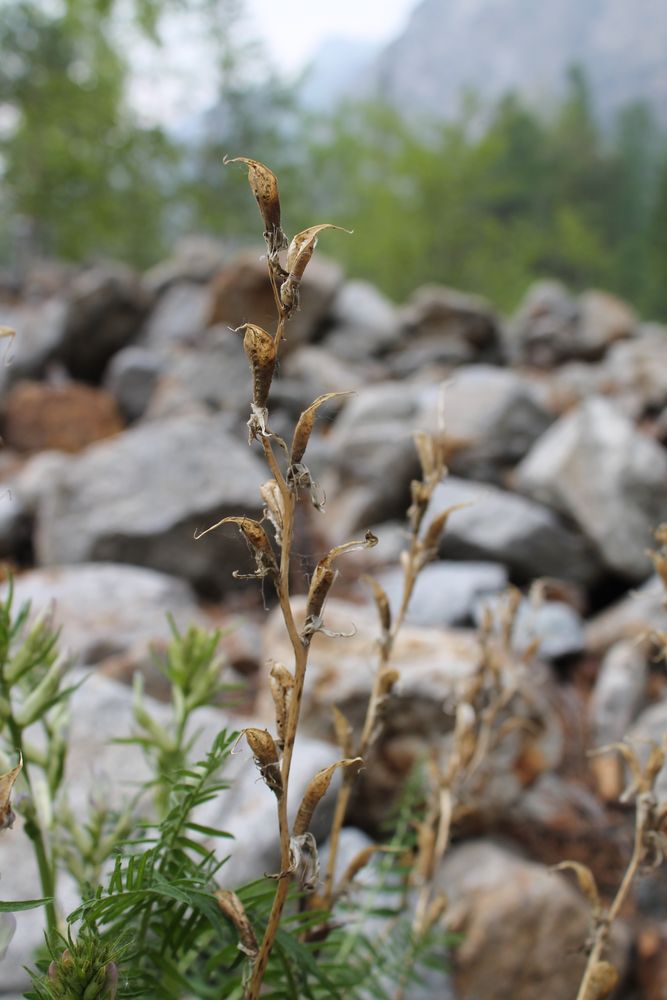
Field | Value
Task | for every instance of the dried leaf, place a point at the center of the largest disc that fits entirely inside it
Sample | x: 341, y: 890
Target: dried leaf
x: 260, y: 350
x: 434, y: 532
x: 654, y: 765
x: 305, y: 425
x: 265, y: 752
x: 586, y: 881
x: 6, y: 784
x: 304, y: 862
x: 316, y: 789
x: 343, y: 731
x: 264, y: 186
x: 302, y: 246
x: 232, y: 907
x: 386, y: 680
x: 360, y: 861
x: 275, y: 507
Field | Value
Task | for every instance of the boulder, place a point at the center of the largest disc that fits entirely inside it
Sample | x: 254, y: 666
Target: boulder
x: 242, y: 293
x: 105, y: 309
x: 619, y: 692
x: 37, y: 416
x: 131, y: 378
x: 140, y: 497
x: 633, y: 617
x: 459, y: 326
x: 196, y: 258
x: 640, y: 366
x: 363, y: 323
x: 39, y: 326
x: 649, y: 728
x: 523, y: 927
x: 446, y: 593
x: 504, y: 527
x: 603, y: 319
x: 593, y: 466
x: 179, y: 315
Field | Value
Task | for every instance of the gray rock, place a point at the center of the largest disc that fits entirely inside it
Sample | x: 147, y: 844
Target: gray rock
x: 633, y: 617
x: 445, y: 593
x: 131, y: 377
x: 105, y: 309
x: 40, y: 328
x: 140, y: 497
x: 180, y: 314
x: 650, y: 728
x: 510, y: 529
x: 603, y: 319
x: 610, y: 479
x: 544, y: 330
x: 363, y: 322
x: 492, y: 416
x: 518, y: 921
x: 556, y: 626
x: 620, y: 689
x: 104, y: 609
x: 435, y: 313
x: 195, y: 258
x: 640, y: 366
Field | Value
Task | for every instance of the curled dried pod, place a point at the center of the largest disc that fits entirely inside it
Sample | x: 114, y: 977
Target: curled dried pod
x: 427, y: 454
x: 359, y: 862
x: 232, y: 908
x: 316, y: 789
x: 256, y: 537
x: 654, y: 765
x: 265, y: 752
x: 320, y: 585
x: 260, y: 349
x: 305, y: 424
x: 302, y: 246
x: 275, y: 507
x: 304, y: 861
x: 586, y: 881
x: 281, y: 683
x: 386, y: 680
x: 264, y: 186
x: 343, y: 732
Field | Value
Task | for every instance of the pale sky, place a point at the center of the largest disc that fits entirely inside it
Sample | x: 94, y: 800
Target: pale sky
x: 292, y: 30
x: 176, y: 82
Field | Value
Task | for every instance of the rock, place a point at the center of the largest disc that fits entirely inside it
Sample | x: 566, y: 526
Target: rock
x: 492, y: 416
x: 633, y: 617
x: 315, y: 365
x: 140, y: 498
x: 640, y: 366
x: 195, y: 258
x: 464, y: 326
x: 603, y: 319
x: 610, y: 479
x: 39, y: 328
x: 68, y: 417
x: 445, y: 593
x: 242, y: 293
x: 103, y: 609
x: 105, y: 309
x: 620, y: 690
x: 131, y: 378
x: 15, y: 527
x: 523, y: 926
x: 363, y: 323
x: 432, y: 665
x: 214, y: 375
x: 648, y: 728
x: 180, y: 314
x: 556, y: 626
x: 510, y: 529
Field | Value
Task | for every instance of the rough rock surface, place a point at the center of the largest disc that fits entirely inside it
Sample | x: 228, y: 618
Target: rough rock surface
x: 179, y: 315
x: 363, y: 323
x: 39, y: 327
x: 460, y: 327
x: 140, y: 498
x: 608, y: 477
x: 633, y: 617
x: 620, y: 690
x: 131, y: 378
x: 446, y: 592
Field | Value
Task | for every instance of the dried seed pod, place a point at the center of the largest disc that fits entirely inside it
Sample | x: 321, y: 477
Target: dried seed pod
x: 264, y: 186
x: 302, y: 246
x: 275, y: 507
x: 381, y: 603
x: 260, y: 350
x: 6, y: 784
x: 320, y: 585
x: 256, y: 537
x: 601, y: 982
x: 465, y: 736
x: 343, y: 731
x: 586, y: 881
x: 316, y: 789
x: 359, y: 861
x: 386, y: 680
x: 304, y: 861
x: 265, y: 753
x: 427, y: 454
x: 281, y: 683
x: 654, y: 765
x: 305, y: 425
x: 435, y: 530
x: 232, y: 907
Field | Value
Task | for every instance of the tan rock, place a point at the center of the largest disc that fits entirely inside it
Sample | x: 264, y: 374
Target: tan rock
x: 37, y: 416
